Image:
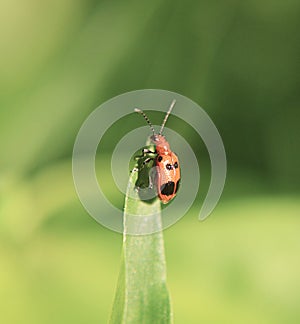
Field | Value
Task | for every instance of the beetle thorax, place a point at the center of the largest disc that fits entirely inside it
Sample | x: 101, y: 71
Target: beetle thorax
x: 162, y: 145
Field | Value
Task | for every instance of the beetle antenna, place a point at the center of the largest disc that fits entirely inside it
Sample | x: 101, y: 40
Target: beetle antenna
x: 167, y: 116
x: 146, y: 118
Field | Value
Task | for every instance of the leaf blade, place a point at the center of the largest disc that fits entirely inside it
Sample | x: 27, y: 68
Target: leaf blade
x: 142, y: 295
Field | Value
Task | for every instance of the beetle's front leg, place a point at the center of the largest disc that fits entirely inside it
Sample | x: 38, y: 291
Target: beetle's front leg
x: 142, y: 165
x: 145, y: 152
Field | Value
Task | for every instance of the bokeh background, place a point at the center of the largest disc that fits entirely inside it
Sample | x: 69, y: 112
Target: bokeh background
x: 239, y: 60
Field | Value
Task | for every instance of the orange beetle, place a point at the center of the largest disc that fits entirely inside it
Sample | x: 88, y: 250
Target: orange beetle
x: 166, y: 161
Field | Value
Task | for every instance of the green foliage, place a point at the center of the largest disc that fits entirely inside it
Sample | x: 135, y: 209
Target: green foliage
x: 239, y: 60
x: 142, y: 295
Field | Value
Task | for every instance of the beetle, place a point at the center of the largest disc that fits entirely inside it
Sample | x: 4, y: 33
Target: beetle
x: 166, y: 161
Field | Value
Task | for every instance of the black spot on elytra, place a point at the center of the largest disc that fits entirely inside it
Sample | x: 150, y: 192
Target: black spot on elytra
x: 169, y: 166
x: 176, y: 165
x: 167, y: 189
x: 159, y: 159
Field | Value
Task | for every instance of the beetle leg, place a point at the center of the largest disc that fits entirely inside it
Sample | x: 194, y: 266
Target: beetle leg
x: 145, y: 151
x: 147, y: 160
x: 144, y: 163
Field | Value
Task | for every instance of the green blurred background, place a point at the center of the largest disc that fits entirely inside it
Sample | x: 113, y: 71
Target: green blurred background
x: 240, y: 61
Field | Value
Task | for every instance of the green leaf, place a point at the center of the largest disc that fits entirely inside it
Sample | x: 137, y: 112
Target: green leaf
x: 142, y: 295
